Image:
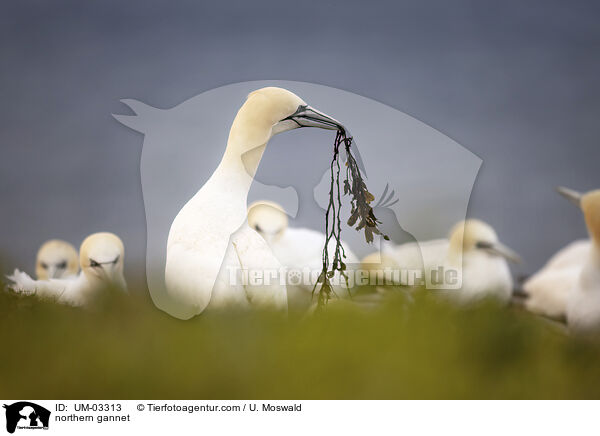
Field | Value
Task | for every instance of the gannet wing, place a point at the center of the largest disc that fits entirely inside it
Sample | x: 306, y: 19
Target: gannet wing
x: 548, y: 290
x: 24, y: 284
x: 21, y: 282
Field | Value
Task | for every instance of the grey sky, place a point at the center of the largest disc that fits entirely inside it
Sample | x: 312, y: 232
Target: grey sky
x: 515, y: 83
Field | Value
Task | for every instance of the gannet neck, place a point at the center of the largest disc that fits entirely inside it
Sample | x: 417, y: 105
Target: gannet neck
x: 590, y: 206
x: 239, y: 167
x: 594, y: 256
x: 248, y: 136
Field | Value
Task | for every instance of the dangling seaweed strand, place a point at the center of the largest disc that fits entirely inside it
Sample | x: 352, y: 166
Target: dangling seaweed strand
x: 361, y: 212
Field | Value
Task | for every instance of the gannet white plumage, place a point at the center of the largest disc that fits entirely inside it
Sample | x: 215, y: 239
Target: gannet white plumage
x: 101, y: 261
x: 56, y: 259
x: 583, y: 299
x: 548, y: 289
x: 300, y: 251
x: 210, y: 242
x: 473, y: 250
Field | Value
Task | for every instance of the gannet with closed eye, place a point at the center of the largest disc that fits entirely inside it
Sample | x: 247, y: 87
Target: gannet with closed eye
x: 210, y: 242
x: 56, y: 259
x: 101, y: 262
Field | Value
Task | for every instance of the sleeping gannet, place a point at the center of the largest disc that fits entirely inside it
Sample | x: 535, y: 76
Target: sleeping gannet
x: 56, y: 259
x: 210, y: 244
x: 299, y: 250
x: 583, y: 299
x: 101, y: 262
x: 473, y: 250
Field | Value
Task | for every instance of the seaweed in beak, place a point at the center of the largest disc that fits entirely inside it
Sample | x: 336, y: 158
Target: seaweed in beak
x: 361, y: 212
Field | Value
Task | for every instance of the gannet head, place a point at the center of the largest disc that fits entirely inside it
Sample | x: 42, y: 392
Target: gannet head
x: 56, y: 259
x: 267, y: 218
x: 101, y: 258
x: 269, y: 111
x: 590, y: 206
x: 475, y: 236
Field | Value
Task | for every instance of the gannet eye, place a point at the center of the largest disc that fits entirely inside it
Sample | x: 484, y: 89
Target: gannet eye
x: 483, y: 245
x: 62, y: 265
x: 94, y: 264
x: 257, y: 228
x: 44, y: 265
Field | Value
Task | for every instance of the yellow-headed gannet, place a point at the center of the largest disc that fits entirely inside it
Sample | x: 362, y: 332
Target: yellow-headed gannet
x: 547, y: 290
x: 583, y: 299
x: 210, y: 244
x: 473, y: 251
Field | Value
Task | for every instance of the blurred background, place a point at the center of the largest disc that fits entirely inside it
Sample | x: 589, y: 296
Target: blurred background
x: 516, y: 83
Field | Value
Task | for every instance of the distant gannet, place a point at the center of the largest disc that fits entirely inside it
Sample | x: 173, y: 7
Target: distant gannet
x: 56, y: 259
x: 101, y: 260
x: 299, y: 250
x: 548, y: 289
x: 210, y: 244
x: 473, y: 250
x: 583, y: 299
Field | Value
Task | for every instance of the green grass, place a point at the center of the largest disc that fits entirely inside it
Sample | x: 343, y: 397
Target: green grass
x: 128, y: 349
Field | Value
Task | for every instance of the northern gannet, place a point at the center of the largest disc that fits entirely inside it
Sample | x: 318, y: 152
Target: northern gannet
x: 56, y: 259
x: 210, y: 243
x: 299, y: 250
x: 101, y: 260
x: 548, y: 289
x: 473, y: 251
x: 583, y: 299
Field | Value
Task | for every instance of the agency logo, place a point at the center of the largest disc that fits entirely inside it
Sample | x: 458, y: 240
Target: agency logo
x: 26, y: 415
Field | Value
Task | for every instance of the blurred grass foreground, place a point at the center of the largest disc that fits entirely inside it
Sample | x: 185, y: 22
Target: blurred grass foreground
x: 128, y: 349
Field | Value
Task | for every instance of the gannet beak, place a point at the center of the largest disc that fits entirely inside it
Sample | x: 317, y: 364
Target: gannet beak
x: 111, y: 273
x: 499, y: 249
x: 51, y: 271
x: 268, y: 237
x: 307, y: 116
x: 571, y: 195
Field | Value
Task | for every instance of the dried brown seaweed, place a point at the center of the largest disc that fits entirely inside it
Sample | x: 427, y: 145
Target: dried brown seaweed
x: 361, y: 215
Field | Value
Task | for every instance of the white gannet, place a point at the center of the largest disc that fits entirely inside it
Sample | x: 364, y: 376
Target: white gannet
x: 101, y: 260
x: 299, y: 250
x: 56, y: 259
x: 547, y: 290
x: 583, y: 299
x: 210, y: 242
x: 473, y: 250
